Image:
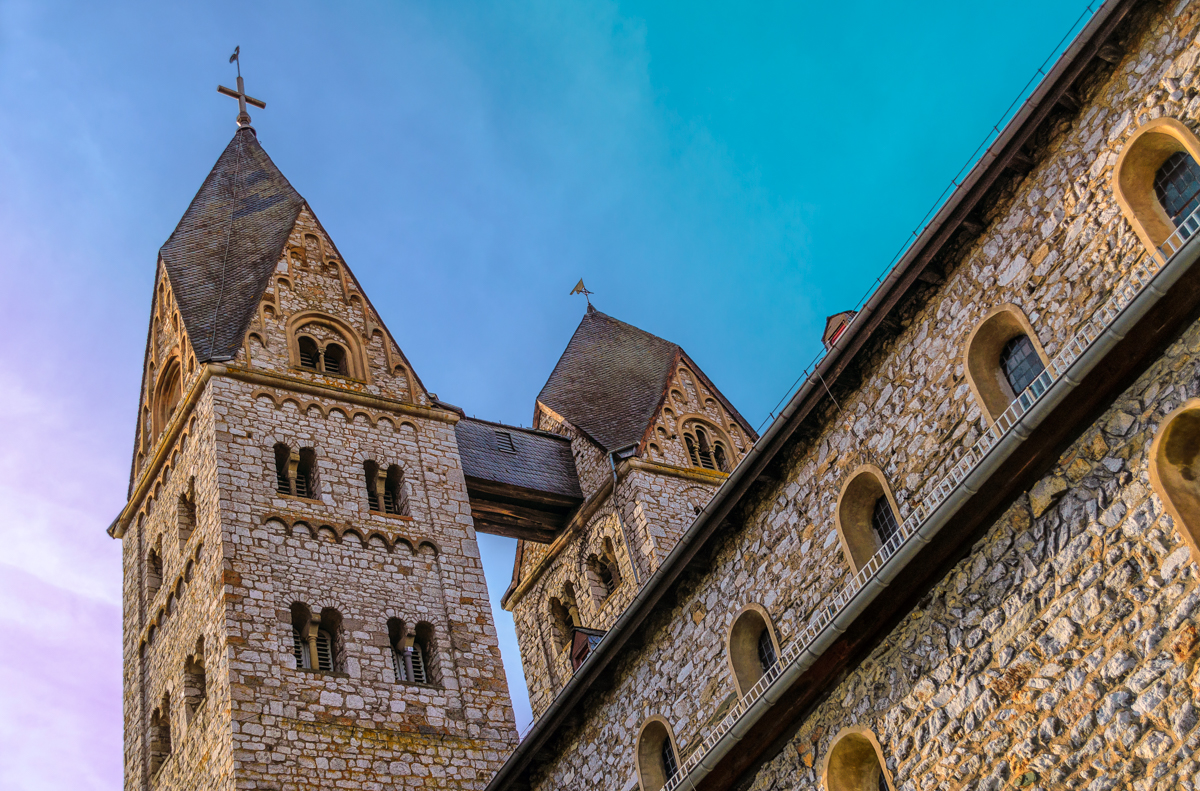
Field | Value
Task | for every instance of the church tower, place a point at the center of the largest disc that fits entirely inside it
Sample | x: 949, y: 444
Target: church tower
x: 304, y: 603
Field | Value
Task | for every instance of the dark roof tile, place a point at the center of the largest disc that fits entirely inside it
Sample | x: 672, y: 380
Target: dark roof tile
x: 539, y: 461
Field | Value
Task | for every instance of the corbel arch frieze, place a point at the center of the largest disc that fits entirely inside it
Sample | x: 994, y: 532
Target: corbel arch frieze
x: 312, y: 527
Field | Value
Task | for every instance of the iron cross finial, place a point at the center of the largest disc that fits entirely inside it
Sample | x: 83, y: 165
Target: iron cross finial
x: 243, y: 118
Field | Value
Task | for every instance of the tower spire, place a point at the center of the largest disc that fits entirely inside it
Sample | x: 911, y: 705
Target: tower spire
x: 243, y: 118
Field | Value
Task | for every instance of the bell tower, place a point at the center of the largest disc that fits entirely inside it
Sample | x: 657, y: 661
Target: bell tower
x: 304, y: 603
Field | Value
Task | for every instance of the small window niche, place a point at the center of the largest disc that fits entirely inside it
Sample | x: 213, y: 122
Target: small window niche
x: 855, y: 763
x: 317, y: 642
x: 753, y: 646
x: 186, y: 513
x: 1175, y: 471
x: 657, y: 754
x: 195, y: 681
x: 1157, y: 184
x: 867, y: 515
x: 1002, y: 355
x: 160, y: 735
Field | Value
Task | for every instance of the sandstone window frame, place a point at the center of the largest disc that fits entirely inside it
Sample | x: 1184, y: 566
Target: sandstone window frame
x: 1174, y: 475
x: 714, y: 445
x: 1137, y: 166
x: 347, y: 340
x: 741, y: 645
x: 655, y: 734
x: 981, y: 357
x: 855, y: 762
x: 853, y: 516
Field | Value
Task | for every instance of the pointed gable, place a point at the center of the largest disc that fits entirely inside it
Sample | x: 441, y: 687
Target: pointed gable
x: 610, y: 380
x: 222, y: 253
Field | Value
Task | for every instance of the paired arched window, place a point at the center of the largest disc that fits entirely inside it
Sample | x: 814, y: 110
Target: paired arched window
x: 325, y: 344
x: 385, y: 489
x: 413, y: 652
x: 604, y: 573
x: 1157, y: 182
x: 330, y: 358
x: 296, y: 471
x: 753, y: 647
x: 866, y: 515
x: 705, y: 450
x: 186, y: 512
x: 317, y: 642
x: 657, y: 759
x: 1175, y: 471
x: 1004, y: 360
x: 855, y: 763
x: 154, y: 571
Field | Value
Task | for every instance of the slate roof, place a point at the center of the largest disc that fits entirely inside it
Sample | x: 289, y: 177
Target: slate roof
x: 610, y: 380
x: 221, y: 255
x: 538, y: 460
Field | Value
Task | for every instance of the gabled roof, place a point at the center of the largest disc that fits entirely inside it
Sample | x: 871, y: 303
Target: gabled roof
x: 610, y: 380
x: 524, y: 458
x: 221, y: 255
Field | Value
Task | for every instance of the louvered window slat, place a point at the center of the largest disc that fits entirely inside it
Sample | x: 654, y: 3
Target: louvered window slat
x: 324, y: 652
x: 420, y: 674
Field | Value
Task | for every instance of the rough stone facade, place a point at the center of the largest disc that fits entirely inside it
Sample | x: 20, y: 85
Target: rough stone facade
x: 1061, y: 651
x: 226, y: 600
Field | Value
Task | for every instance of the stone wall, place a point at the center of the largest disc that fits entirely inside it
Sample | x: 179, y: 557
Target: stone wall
x: 1054, y: 250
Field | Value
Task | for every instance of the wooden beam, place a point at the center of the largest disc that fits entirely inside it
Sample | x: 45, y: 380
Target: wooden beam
x: 1070, y: 100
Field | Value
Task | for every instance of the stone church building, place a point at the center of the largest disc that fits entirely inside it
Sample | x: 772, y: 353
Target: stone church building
x: 963, y: 556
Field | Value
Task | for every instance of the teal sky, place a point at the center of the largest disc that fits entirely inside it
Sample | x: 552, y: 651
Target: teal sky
x: 724, y: 176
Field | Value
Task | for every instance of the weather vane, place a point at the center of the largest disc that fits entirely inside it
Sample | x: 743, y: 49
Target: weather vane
x: 243, y: 118
x: 580, y: 288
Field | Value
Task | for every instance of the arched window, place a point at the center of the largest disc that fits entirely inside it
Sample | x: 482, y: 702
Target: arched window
x: 160, y: 735
x: 1020, y: 363
x: 306, y: 474
x: 704, y: 449
x: 310, y: 354
x: 413, y: 652
x: 154, y: 572
x: 866, y: 515
x: 691, y: 449
x: 1003, y: 359
x: 855, y: 763
x: 1177, y: 186
x: 753, y: 647
x: 604, y: 573
x: 424, y: 654
x: 186, y: 513
x: 657, y: 759
x: 195, y: 685
x: 335, y: 360
x: 564, y: 614
x: 167, y: 395
x: 1157, y: 182
x: 394, y: 499
x: 720, y: 457
x: 1175, y: 471
x: 283, y: 475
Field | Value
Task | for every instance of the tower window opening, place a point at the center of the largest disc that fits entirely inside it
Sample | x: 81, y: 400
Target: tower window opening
x: 195, y: 687
x: 1177, y: 186
x: 1020, y: 363
x: 160, y: 735
x: 371, y: 471
x: 420, y: 675
x: 186, y: 513
x: 154, y: 572
x: 283, y: 480
x: 306, y: 480
x: 720, y: 457
x: 883, y: 520
x: 335, y: 360
x: 394, y: 499
x: 300, y: 651
x: 310, y: 355
x: 324, y: 650
x: 606, y: 578
x: 691, y: 449
x: 704, y: 450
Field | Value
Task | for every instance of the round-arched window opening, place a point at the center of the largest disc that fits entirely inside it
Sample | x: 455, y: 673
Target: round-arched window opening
x: 310, y: 355
x: 855, y: 763
x: 753, y: 650
x: 1177, y: 186
x: 657, y: 761
x: 1020, y: 363
x: 766, y: 651
x: 335, y: 360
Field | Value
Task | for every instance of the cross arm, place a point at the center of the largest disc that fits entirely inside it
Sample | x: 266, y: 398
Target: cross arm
x: 249, y: 99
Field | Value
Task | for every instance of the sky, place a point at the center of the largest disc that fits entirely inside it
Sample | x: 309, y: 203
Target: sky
x: 722, y: 175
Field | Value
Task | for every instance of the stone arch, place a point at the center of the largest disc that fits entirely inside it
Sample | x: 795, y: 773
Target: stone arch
x: 855, y: 762
x: 699, y: 430
x: 856, y: 504
x: 1175, y: 471
x: 654, y: 739
x: 981, y: 358
x: 168, y: 390
x: 1137, y: 166
x: 746, y: 663
x: 349, y: 338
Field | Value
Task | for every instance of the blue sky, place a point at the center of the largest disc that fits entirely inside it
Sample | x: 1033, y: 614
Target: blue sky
x: 721, y: 175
